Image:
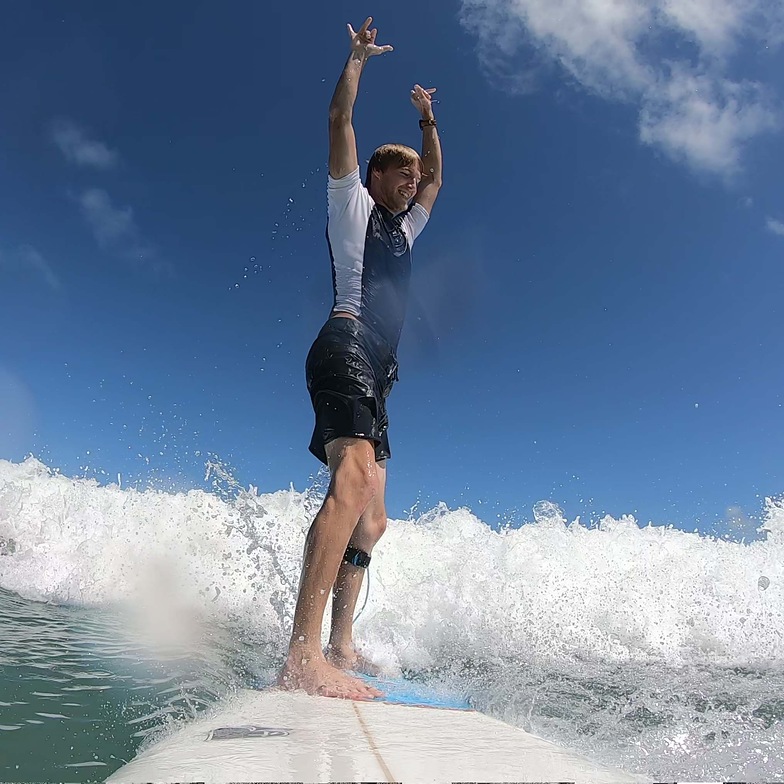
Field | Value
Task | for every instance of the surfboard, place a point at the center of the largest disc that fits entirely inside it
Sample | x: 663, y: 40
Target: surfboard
x: 412, y: 734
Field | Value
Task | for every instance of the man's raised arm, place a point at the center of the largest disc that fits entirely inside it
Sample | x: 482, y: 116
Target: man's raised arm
x: 342, y: 141
x: 430, y: 183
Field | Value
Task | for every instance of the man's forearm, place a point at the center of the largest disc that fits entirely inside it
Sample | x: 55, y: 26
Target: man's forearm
x: 431, y: 155
x: 348, y: 85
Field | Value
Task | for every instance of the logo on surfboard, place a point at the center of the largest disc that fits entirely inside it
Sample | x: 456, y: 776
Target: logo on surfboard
x: 248, y: 731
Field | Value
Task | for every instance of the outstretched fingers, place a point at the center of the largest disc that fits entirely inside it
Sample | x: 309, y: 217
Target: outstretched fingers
x: 365, y: 38
x: 422, y: 98
x: 362, y: 32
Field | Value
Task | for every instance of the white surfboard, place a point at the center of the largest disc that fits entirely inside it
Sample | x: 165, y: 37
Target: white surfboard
x: 405, y: 737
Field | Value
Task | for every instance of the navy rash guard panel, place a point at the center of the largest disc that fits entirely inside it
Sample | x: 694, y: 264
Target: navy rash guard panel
x: 370, y: 250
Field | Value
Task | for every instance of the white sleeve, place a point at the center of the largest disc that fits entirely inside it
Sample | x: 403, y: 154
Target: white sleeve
x: 414, y: 221
x: 348, y: 198
x: 349, y: 206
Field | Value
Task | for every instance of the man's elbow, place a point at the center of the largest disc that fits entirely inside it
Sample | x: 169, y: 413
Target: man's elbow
x: 338, y: 116
x: 432, y: 177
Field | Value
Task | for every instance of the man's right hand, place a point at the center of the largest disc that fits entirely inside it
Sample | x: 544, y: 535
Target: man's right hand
x: 363, y: 42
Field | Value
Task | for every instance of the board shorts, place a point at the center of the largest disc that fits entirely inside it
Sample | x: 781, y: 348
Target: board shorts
x: 350, y: 372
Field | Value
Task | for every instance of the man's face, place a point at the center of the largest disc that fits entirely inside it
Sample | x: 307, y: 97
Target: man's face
x: 399, y: 185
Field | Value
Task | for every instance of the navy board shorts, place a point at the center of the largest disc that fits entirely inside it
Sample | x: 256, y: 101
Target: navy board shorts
x: 350, y: 372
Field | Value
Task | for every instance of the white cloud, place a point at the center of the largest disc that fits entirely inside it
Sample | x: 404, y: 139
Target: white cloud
x: 111, y: 226
x: 704, y: 120
x: 32, y: 259
x: 776, y: 226
x: 115, y: 230
x: 78, y: 149
x: 623, y: 49
x: 27, y: 258
x: 713, y: 24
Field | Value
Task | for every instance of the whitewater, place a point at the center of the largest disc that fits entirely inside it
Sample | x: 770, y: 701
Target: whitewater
x: 646, y: 647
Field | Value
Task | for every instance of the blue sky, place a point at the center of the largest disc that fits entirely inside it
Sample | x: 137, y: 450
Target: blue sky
x: 596, y: 308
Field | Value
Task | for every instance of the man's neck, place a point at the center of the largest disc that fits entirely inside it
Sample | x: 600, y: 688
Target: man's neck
x: 380, y: 201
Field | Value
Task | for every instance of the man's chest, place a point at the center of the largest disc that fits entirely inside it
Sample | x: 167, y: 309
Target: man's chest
x: 385, y: 235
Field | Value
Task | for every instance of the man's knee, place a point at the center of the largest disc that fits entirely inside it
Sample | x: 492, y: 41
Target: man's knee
x: 378, y: 524
x: 369, y: 530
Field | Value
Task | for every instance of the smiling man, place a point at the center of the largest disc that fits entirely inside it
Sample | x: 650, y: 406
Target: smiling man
x: 351, y: 369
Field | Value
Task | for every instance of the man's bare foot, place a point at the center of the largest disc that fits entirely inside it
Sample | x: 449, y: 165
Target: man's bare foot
x: 314, y: 674
x: 348, y: 658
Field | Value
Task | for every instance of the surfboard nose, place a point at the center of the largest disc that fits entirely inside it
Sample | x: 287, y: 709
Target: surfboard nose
x: 410, y: 736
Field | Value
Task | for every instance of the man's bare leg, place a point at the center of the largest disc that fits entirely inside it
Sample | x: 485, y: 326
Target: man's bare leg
x: 369, y: 530
x: 354, y: 484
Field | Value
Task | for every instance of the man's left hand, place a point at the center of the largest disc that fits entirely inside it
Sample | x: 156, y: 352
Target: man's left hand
x: 422, y: 100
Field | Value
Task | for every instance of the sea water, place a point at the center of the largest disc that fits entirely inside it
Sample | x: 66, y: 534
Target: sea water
x: 124, y: 613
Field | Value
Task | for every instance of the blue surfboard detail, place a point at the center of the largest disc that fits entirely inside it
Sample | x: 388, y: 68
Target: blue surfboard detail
x: 398, y: 691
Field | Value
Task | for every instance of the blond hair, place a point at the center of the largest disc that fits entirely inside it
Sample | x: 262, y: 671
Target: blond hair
x: 392, y: 155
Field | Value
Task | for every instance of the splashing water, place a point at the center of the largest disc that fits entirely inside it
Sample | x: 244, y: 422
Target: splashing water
x: 649, y: 648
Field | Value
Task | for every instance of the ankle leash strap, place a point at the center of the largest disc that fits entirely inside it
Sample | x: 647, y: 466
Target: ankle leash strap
x: 357, y: 557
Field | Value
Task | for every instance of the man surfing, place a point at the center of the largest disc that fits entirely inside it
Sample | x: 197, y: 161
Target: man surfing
x: 351, y: 369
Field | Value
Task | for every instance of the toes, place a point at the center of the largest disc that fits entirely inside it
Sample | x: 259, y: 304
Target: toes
x: 345, y: 692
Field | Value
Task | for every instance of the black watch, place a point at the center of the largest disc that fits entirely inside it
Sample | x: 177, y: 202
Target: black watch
x: 424, y: 123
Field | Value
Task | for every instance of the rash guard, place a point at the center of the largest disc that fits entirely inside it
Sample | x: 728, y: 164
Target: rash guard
x: 370, y: 250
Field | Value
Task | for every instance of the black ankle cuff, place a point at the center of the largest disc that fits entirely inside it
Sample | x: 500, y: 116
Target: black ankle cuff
x: 357, y: 557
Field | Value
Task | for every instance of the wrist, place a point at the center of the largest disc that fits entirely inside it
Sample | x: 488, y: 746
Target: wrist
x: 359, y: 55
x: 427, y: 121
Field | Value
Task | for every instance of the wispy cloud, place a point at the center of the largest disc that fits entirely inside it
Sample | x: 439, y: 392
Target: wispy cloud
x: 669, y: 57
x: 28, y: 259
x: 79, y: 149
x: 776, y: 226
x: 115, y: 230
x: 111, y: 226
x: 32, y: 259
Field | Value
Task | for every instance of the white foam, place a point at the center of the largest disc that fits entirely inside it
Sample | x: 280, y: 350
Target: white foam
x: 444, y: 582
